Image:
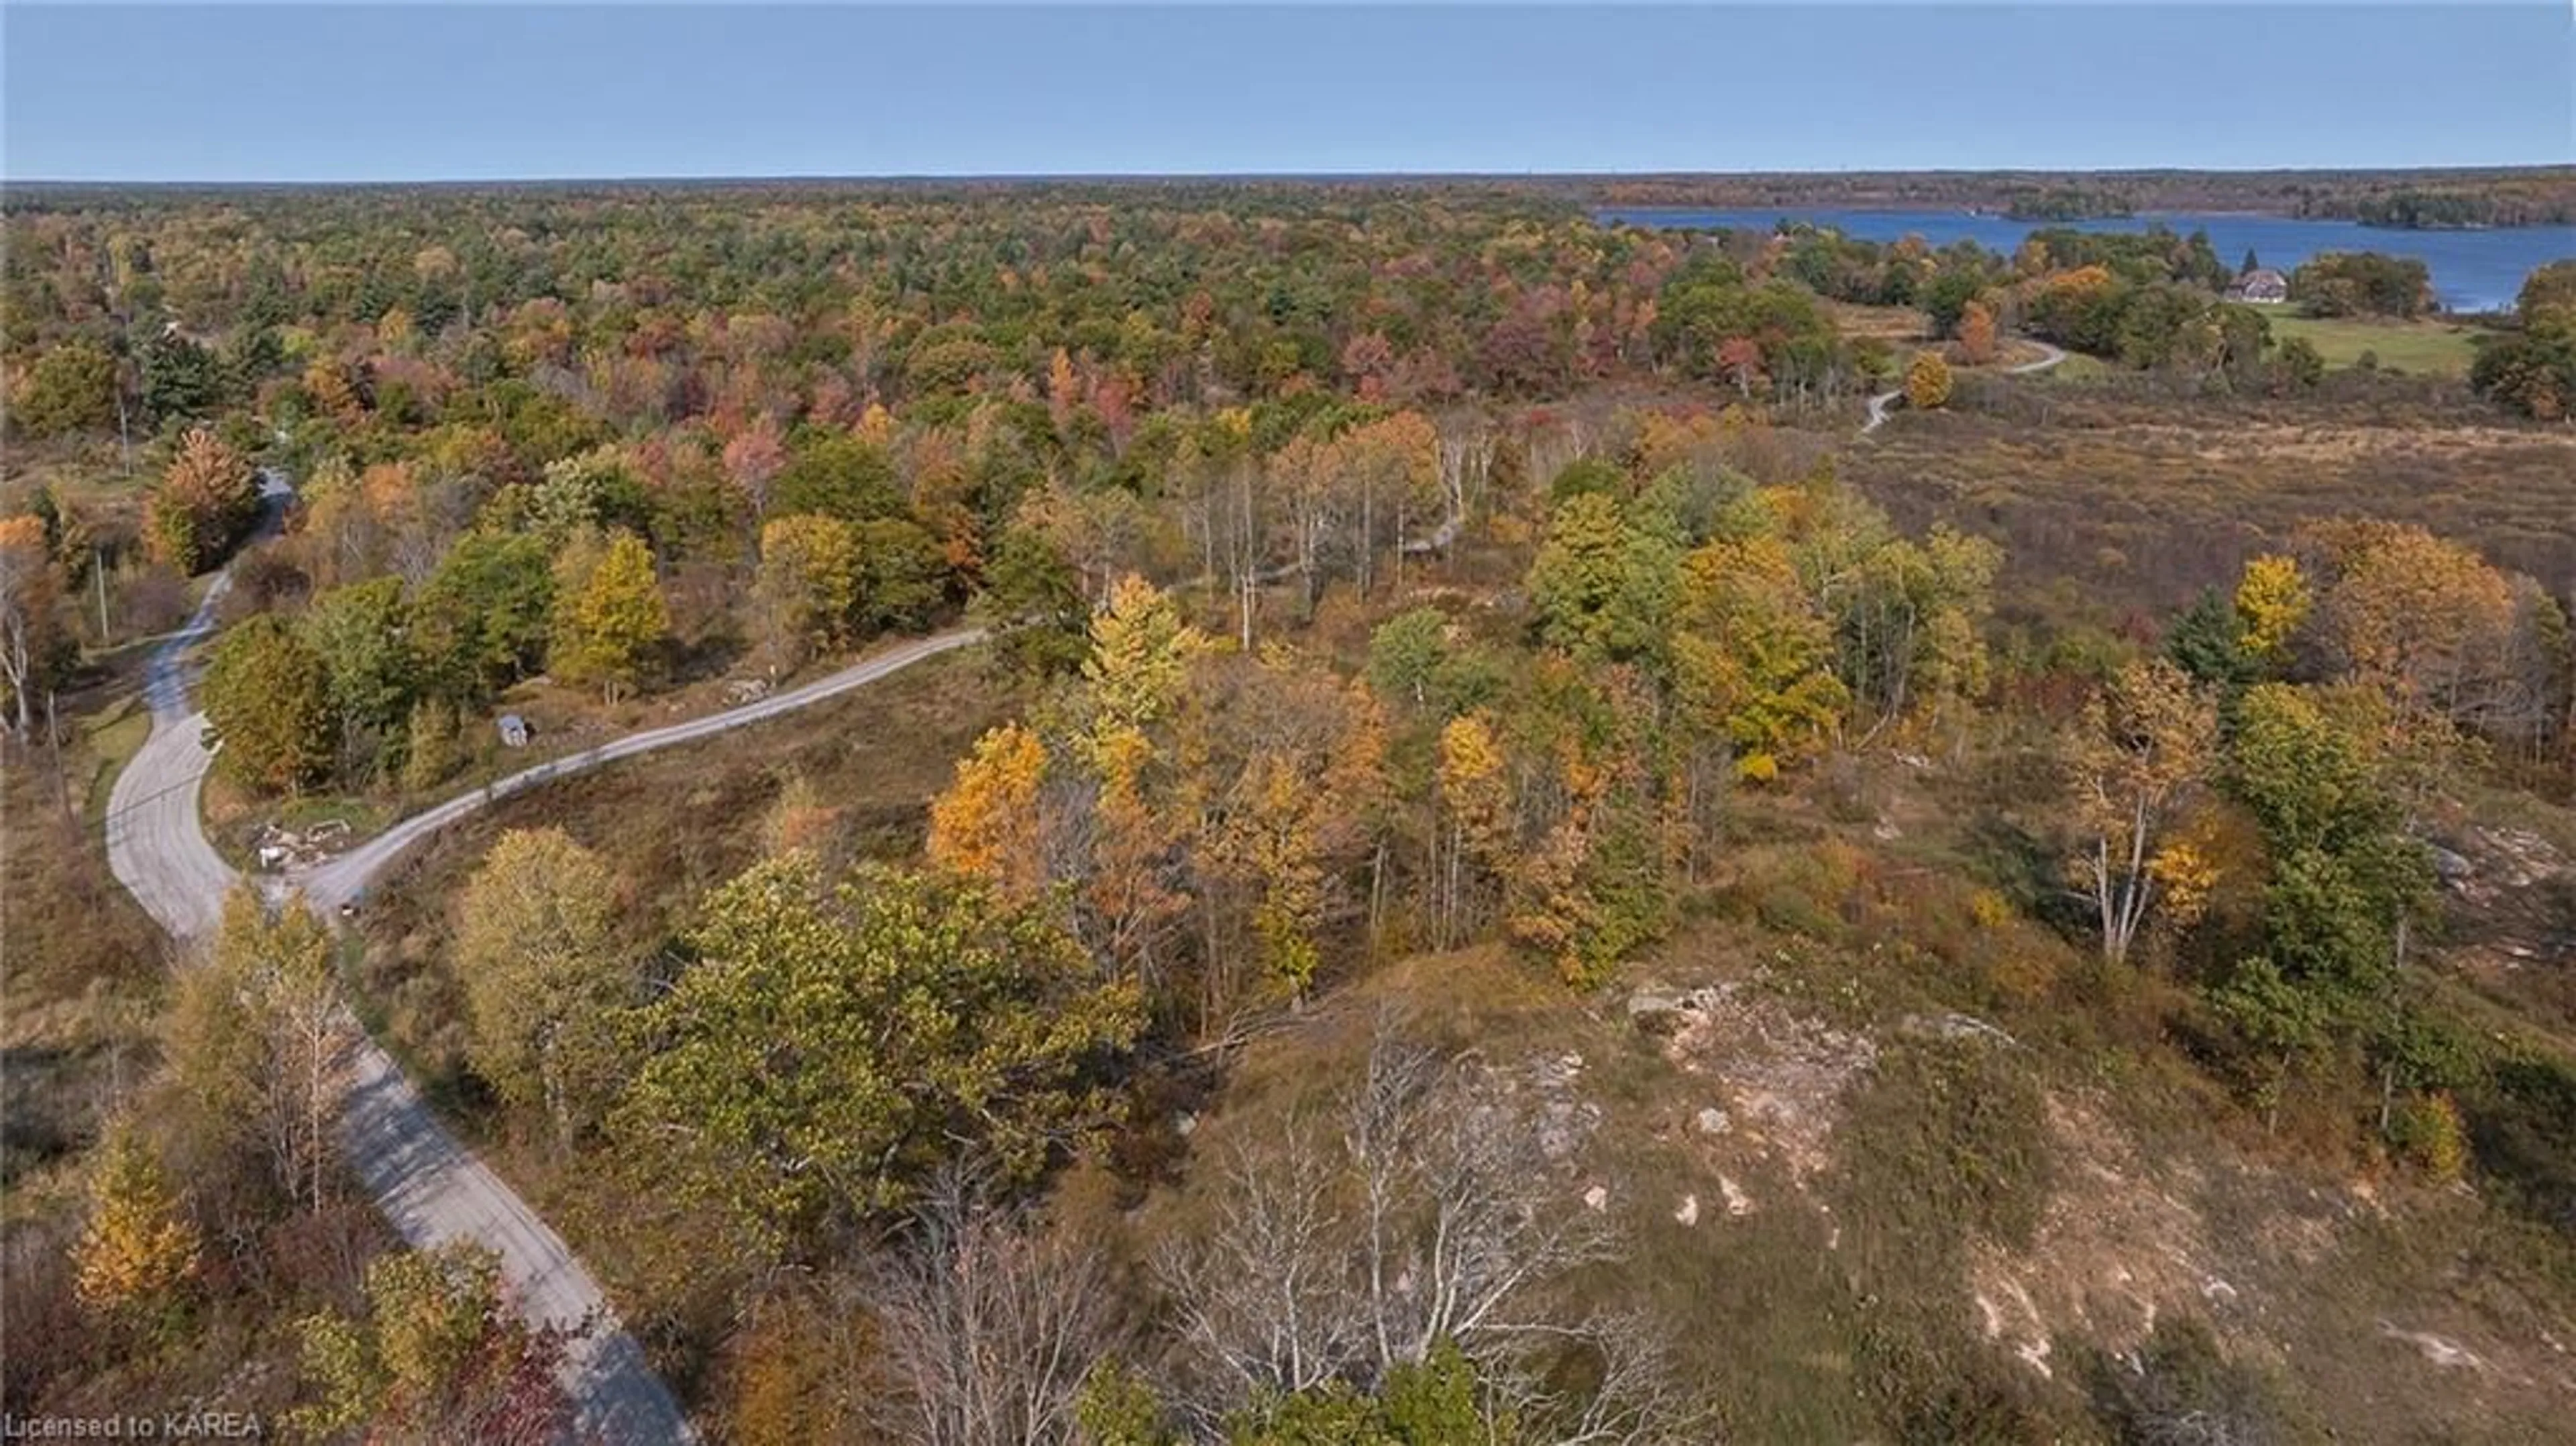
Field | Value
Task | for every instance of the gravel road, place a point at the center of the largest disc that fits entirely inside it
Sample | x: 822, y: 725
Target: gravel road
x: 429, y: 1186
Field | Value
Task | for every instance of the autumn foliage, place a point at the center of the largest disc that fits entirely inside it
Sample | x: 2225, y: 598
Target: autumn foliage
x: 1389, y: 603
x: 1927, y: 382
x: 988, y: 825
x: 31, y: 635
x: 139, y: 1248
x: 206, y: 498
x: 1977, y: 334
x: 2145, y: 748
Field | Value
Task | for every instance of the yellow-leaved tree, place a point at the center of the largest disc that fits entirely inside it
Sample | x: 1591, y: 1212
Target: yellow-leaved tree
x: 327, y: 386
x: 1475, y: 834
x: 276, y: 970
x: 1753, y: 657
x: 808, y: 586
x: 1977, y: 334
x: 1284, y: 774
x: 987, y: 825
x: 439, y: 1354
x: 1064, y: 389
x: 208, y: 495
x: 2426, y: 623
x: 1140, y: 652
x: 1927, y: 382
x: 2273, y: 601
x: 542, y: 975
x: 2142, y: 752
x: 1279, y: 824
x: 138, y: 1249
x: 609, y: 615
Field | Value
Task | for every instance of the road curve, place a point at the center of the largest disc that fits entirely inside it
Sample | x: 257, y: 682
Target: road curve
x: 337, y: 881
x: 433, y: 1189
x: 429, y: 1186
x: 155, y: 846
x: 1879, y: 404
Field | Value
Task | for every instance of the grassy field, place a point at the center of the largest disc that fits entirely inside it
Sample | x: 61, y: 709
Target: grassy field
x: 80, y: 970
x: 89, y: 475
x: 2078, y: 368
x: 1891, y: 324
x: 566, y: 721
x: 2110, y: 497
x: 115, y: 734
x: 2418, y: 348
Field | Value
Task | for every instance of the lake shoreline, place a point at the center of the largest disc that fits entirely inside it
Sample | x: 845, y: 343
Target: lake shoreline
x: 2474, y: 270
x: 2043, y: 222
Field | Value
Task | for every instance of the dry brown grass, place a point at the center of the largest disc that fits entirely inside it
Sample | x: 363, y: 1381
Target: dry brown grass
x: 1886, y: 323
x: 80, y: 968
x: 2111, y: 499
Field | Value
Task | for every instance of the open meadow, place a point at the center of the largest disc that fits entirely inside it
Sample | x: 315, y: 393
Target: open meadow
x: 2116, y: 496
x: 2430, y: 348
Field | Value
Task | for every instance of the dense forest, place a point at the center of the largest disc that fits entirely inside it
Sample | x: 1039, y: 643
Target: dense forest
x: 2517, y: 196
x: 1503, y: 871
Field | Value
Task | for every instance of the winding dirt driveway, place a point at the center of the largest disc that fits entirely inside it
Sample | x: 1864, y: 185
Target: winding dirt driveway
x: 429, y: 1186
x: 1879, y: 404
x: 344, y: 879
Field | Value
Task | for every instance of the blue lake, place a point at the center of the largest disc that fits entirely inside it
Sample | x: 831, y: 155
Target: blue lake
x: 2472, y: 270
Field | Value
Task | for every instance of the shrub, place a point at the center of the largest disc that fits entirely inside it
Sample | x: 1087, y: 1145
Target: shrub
x: 2300, y: 364
x: 2180, y: 1387
x: 2430, y: 1135
x: 1927, y: 382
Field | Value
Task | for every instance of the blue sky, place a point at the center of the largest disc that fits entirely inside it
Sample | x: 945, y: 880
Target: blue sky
x: 342, y: 92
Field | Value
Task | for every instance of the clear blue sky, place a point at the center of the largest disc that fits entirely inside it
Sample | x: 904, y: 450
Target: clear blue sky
x: 371, y: 93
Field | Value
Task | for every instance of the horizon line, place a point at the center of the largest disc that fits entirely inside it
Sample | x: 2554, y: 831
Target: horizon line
x: 1148, y: 176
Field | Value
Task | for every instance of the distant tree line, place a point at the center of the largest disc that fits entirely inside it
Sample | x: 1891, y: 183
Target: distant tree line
x: 2497, y: 196
x: 2414, y: 210
x: 2067, y: 203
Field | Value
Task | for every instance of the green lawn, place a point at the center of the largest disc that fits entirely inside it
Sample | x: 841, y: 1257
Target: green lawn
x: 2077, y: 368
x: 2423, y: 348
x: 365, y: 817
x: 115, y: 734
x: 234, y: 824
